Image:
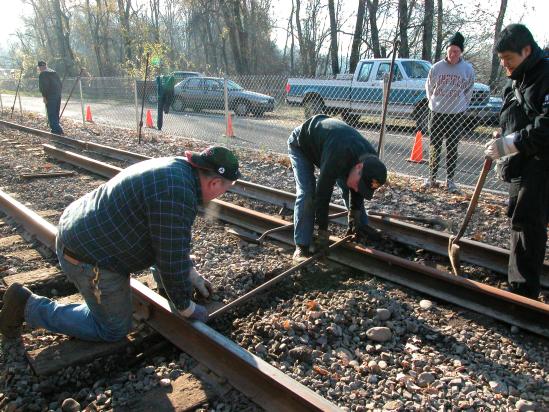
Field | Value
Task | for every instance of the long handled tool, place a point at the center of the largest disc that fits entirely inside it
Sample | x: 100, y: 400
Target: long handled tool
x: 453, y: 244
x: 71, y: 92
x: 143, y: 98
x: 276, y: 279
x: 251, y: 238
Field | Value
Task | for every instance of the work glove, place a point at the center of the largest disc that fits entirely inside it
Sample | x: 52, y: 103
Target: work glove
x: 204, y: 286
x: 322, y: 240
x: 503, y: 146
x: 360, y: 230
x: 196, y: 312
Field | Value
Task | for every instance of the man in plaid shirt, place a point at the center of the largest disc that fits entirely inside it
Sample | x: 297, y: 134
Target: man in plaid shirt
x: 141, y: 217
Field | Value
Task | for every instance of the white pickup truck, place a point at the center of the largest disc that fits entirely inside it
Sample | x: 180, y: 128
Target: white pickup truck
x: 363, y: 94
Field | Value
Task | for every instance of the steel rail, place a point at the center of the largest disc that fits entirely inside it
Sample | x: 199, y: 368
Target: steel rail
x: 261, y: 382
x: 488, y: 256
x: 488, y: 300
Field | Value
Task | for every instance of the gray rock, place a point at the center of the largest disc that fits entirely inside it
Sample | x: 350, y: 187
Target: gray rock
x: 383, y: 314
x: 425, y: 378
x: 425, y: 304
x: 379, y: 334
x: 70, y: 405
x: 302, y: 353
x: 525, y: 406
x: 392, y: 406
x: 498, y: 387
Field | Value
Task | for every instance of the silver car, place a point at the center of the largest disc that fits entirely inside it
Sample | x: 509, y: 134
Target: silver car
x: 206, y: 93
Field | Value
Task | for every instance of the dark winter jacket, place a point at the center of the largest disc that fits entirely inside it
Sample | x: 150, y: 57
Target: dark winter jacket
x: 49, y: 84
x: 525, y: 111
x: 335, y: 148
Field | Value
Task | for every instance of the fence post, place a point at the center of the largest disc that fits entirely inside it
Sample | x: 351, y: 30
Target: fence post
x: 226, y: 98
x: 383, y: 114
x: 81, y: 101
x: 1, y: 105
x: 136, y: 104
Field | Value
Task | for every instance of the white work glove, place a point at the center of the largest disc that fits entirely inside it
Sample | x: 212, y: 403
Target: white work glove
x: 195, y: 311
x: 203, y: 286
x: 503, y: 146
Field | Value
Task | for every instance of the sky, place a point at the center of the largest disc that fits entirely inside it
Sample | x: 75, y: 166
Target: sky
x: 533, y: 13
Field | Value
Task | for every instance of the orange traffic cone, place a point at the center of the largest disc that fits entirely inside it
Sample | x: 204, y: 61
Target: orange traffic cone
x: 149, y: 121
x: 89, y: 114
x: 417, y: 151
x: 229, y: 129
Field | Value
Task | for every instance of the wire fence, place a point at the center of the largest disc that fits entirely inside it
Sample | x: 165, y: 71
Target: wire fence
x: 265, y: 109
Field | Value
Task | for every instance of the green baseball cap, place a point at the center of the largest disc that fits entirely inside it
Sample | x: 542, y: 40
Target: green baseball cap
x: 217, y: 159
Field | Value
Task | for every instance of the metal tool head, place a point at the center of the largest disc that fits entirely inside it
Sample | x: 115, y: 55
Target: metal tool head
x: 243, y: 234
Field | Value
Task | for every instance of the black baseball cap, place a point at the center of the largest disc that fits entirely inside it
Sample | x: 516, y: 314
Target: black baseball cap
x: 217, y: 159
x: 374, y: 175
x: 41, y: 63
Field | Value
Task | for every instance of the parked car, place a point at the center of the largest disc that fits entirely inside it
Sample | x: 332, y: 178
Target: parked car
x: 206, y: 93
x: 363, y: 93
x: 150, y: 87
x: 491, y: 116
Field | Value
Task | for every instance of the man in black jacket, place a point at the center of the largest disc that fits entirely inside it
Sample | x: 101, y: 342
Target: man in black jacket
x: 344, y: 157
x: 50, y: 87
x: 522, y: 150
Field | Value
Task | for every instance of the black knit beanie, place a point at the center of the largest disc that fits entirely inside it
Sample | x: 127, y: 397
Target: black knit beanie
x: 456, y: 40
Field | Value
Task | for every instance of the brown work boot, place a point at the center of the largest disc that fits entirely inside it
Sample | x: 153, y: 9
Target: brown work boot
x: 12, y: 314
x: 301, y: 254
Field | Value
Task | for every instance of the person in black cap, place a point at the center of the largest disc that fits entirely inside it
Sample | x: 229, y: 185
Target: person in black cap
x: 521, y: 148
x: 344, y: 157
x: 50, y: 86
x: 141, y: 217
x: 449, y: 90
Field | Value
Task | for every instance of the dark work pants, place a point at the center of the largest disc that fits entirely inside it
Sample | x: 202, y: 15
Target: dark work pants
x: 529, y: 212
x: 444, y: 126
x: 164, y: 103
x: 52, y: 107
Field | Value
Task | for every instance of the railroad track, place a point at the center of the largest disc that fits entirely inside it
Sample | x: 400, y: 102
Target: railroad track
x: 514, y: 309
x: 477, y: 253
x: 260, y: 382
x: 373, y: 264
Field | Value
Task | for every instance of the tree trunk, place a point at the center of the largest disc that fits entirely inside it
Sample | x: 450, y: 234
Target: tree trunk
x: 404, y: 48
x: 440, y: 14
x: 62, y: 39
x: 357, y: 36
x: 333, y: 37
x: 427, y: 49
x: 372, y: 15
x: 499, y: 23
x: 124, y: 18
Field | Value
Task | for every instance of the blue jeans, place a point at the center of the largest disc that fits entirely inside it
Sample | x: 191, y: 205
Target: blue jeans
x: 108, y: 320
x: 52, y: 107
x: 305, y: 185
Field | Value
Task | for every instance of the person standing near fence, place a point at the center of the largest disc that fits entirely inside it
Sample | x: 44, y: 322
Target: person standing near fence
x: 50, y: 86
x: 449, y: 89
x: 344, y: 157
x: 164, y: 92
x: 522, y: 150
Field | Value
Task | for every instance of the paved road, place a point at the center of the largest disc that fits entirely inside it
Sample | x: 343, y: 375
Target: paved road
x: 270, y: 133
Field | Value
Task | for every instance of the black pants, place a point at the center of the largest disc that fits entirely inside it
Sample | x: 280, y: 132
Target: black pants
x: 529, y: 212
x: 444, y: 126
x: 53, y: 106
x: 164, y: 102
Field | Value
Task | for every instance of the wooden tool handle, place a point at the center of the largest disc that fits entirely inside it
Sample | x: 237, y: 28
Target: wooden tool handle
x: 474, y: 199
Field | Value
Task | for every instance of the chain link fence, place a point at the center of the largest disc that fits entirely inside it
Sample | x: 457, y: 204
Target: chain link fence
x: 261, y: 111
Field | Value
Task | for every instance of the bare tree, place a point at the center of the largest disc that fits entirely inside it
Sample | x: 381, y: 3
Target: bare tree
x: 427, y: 49
x: 357, y: 36
x: 497, y: 30
x: 374, y: 31
x: 333, y: 37
x: 440, y: 15
x: 124, y: 7
x: 404, y: 48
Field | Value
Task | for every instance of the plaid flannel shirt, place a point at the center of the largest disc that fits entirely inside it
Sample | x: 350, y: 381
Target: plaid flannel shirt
x: 142, y: 216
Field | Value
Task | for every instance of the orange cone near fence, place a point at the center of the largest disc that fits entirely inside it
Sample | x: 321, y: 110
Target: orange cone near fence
x: 149, y: 121
x: 417, y: 151
x: 89, y: 114
x: 229, y: 129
